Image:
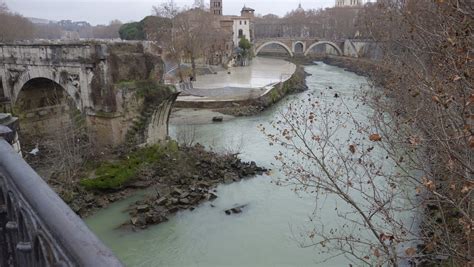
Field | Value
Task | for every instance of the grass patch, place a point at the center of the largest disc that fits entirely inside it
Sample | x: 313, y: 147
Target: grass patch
x: 116, y: 175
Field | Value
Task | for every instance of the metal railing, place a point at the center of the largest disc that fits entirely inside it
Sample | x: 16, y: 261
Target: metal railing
x: 36, y: 227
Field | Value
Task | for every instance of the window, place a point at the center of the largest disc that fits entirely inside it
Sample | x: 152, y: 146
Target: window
x: 245, y: 22
x: 241, y: 33
x: 240, y: 22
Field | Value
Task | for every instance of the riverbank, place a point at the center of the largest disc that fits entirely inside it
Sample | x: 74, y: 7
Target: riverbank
x: 296, y: 84
x: 190, y: 183
x: 250, y: 105
x: 249, y: 90
x: 433, y: 223
x: 167, y: 169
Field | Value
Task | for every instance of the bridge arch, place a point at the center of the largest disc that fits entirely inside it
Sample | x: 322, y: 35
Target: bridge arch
x: 299, y: 47
x: 290, y: 52
x: 63, y: 79
x: 333, y: 45
x: 46, y: 110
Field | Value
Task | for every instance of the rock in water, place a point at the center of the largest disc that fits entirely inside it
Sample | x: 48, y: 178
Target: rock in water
x: 217, y: 119
x: 235, y: 210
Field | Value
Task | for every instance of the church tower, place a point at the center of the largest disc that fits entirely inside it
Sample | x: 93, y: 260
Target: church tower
x: 216, y: 7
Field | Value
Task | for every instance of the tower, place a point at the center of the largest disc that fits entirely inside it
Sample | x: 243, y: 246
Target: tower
x: 247, y: 12
x: 216, y: 7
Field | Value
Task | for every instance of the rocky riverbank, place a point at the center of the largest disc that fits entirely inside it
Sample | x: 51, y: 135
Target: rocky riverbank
x: 360, y: 66
x: 185, y: 188
x: 181, y: 178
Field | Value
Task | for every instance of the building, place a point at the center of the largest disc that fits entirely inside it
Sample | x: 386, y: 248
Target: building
x: 241, y: 29
x: 216, y: 7
x: 247, y: 12
x: 238, y: 26
x: 349, y: 3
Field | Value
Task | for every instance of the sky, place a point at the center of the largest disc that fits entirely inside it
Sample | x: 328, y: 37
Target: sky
x: 103, y: 11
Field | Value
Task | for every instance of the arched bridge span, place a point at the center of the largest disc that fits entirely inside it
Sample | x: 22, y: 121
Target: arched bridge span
x: 295, y: 46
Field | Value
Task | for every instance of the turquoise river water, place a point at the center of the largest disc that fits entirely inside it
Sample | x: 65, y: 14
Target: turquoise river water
x: 267, y: 233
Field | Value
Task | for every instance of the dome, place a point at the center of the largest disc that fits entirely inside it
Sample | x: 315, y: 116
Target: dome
x: 299, y: 9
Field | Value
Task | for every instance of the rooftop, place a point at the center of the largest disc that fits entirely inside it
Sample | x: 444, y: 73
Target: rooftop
x: 247, y: 9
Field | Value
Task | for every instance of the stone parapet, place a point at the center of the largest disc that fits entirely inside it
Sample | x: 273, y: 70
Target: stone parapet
x: 9, y: 127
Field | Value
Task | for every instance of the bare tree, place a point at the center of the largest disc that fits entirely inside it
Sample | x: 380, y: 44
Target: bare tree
x: 426, y: 48
x: 186, y: 135
x: 110, y: 31
x: 330, y: 23
x: 168, y: 9
x: 422, y: 125
x: 14, y: 27
x: 3, y: 7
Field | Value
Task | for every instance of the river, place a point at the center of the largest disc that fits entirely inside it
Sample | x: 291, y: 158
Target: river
x: 268, y: 230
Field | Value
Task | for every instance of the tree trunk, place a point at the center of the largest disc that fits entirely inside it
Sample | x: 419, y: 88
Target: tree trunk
x: 193, y: 66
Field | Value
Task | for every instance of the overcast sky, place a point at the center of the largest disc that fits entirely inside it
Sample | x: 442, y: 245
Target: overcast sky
x: 103, y: 11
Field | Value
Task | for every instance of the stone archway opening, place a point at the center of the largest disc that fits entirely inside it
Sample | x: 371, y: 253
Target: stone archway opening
x: 50, y: 124
x: 323, y: 48
x: 274, y: 49
x: 42, y: 106
x: 299, y: 48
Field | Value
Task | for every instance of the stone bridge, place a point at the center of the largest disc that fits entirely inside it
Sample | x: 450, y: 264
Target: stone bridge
x: 41, y: 83
x: 297, y: 46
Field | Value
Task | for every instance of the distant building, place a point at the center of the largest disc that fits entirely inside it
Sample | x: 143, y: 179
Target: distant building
x: 247, y: 12
x: 216, y: 7
x: 239, y: 26
x: 241, y: 29
x: 299, y: 9
x: 349, y: 3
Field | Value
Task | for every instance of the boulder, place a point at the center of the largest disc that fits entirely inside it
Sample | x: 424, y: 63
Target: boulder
x: 184, y: 194
x: 235, y: 210
x: 211, y: 196
x: 138, y: 220
x: 176, y: 192
x: 173, y: 209
x: 155, y: 218
x: 184, y: 201
x: 161, y: 201
x: 228, y: 178
x: 142, y: 208
x: 217, y: 119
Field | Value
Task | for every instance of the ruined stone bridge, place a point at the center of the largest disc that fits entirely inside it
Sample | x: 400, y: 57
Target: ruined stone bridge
x: 42, y: 83
x: 297, y: 46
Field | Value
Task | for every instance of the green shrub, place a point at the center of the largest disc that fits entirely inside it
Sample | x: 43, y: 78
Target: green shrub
x: 132, y: 31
